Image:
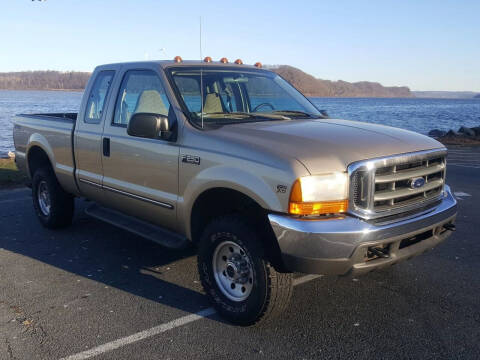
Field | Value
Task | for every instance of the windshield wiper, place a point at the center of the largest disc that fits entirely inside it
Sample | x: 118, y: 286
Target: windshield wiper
x: 296, y: 113
x: 263, y: 115
x: 250, y: 116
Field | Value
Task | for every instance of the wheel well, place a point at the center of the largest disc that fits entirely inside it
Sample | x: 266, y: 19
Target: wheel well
x: 222, y: 201
x: 217, y: 202
x: 37, y: 158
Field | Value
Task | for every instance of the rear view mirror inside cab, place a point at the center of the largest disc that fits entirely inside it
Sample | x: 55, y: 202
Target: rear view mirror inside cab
x: 235, y: 80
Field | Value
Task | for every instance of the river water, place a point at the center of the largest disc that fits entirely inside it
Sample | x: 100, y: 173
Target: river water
x: 419, y: 115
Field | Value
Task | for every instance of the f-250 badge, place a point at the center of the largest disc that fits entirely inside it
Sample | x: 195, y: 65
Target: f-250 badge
x: 191, y: 159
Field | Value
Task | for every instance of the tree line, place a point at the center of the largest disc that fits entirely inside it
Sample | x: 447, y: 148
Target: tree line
x: 307, y: 84
x: 44, y: 80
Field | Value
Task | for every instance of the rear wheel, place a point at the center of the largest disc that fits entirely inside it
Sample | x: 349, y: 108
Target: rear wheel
x: 53, y: 206
x: 236, y: 275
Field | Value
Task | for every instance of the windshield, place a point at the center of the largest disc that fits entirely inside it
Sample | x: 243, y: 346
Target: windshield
x: 233, y: 96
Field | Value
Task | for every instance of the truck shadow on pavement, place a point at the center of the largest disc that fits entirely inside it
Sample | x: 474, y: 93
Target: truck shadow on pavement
x: 100, y: 252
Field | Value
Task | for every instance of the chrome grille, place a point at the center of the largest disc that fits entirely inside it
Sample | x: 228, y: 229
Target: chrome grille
x: 383, y: 186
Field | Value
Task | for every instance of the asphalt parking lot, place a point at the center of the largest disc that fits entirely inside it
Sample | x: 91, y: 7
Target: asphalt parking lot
x: 95, y: 291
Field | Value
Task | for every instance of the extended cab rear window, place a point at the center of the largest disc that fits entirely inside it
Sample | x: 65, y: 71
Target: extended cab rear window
x: 98, y: 94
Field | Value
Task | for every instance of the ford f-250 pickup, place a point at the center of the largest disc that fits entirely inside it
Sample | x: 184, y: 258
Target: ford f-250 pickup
x: 234, y: 160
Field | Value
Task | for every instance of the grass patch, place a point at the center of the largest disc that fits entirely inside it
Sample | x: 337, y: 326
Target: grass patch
x: 460, y: 140
x: 9, y: 174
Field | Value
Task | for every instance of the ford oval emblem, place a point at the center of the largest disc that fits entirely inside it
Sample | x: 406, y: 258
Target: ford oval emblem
x: 416, y: 183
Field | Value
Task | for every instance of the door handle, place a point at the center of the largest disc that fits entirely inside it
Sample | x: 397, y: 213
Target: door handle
x: 106, y: 146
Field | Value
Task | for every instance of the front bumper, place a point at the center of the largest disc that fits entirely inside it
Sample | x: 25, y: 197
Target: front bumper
x: 341, y: 246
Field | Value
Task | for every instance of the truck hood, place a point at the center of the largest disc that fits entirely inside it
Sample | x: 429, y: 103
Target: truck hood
x: 325, y: 145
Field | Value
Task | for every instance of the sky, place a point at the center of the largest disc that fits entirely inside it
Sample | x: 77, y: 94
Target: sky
x: 423, y: 44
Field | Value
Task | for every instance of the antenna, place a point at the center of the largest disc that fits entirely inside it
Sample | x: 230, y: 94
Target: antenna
x: 201, y: 74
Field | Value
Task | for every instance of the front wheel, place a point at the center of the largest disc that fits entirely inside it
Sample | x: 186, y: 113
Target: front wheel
x: 236, y: 275
x: 53, y: 206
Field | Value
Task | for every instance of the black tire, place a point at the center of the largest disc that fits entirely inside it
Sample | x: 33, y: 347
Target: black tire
x: 271, y: 291
x: 61, y: 204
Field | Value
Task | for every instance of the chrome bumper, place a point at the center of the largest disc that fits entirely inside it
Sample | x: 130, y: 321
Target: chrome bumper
x: 340, y: 246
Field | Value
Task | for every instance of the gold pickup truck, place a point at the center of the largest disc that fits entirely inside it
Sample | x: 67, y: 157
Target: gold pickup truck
x: 234, y: 160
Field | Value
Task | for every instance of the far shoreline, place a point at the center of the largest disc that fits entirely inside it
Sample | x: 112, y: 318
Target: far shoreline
x: 308, y: 96
x: 65, y: 90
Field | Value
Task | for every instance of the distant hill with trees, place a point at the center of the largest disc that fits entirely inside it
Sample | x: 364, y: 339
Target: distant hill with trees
x: 44, y: 80
x: 312, y: 86
x: 309, y: 85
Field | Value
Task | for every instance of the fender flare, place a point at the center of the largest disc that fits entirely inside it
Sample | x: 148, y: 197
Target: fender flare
x: 38, y: 140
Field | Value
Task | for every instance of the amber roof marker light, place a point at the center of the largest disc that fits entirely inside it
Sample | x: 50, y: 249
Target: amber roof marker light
x: 239, y: 62
x: 177, y: 59
x: 224, y: 60
x: 207, y: 59
x: 258, y: 64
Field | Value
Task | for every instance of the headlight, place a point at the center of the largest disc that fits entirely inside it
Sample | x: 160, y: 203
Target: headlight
x: 319, y: 194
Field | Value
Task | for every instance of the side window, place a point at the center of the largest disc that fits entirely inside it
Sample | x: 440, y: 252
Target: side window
x: 141, y: 91
x: 98, y: 94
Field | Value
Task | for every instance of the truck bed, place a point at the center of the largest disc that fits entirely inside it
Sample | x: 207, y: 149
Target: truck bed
x: 48, y: 116
x: 53, y: 132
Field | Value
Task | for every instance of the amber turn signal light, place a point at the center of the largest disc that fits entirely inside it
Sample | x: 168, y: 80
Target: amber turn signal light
x: 318, y: 208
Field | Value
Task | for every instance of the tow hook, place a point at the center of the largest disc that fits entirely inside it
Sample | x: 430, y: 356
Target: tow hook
x: 380, y: 252
x: 450, y: 227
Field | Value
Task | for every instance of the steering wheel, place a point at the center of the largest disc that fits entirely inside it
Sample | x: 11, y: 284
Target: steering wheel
x: 262, y: 105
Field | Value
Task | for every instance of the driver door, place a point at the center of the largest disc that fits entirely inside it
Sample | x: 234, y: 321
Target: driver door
x: 140, y: 174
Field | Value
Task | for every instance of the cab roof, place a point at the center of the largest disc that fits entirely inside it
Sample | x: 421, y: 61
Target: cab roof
x: 172, y: 63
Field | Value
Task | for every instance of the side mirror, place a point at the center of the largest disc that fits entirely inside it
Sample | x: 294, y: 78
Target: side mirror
x: 150, y: 126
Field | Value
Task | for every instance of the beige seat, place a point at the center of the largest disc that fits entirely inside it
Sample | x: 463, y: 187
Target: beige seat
x: 213, y: 104
x: 150, y: 101
x: 92, y: 113
x: 124, y: 113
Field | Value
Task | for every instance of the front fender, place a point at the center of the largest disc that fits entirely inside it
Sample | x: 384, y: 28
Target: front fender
x: 261, y: 190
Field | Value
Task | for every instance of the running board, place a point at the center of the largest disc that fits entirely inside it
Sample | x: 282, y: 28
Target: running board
x: 141, y: 228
